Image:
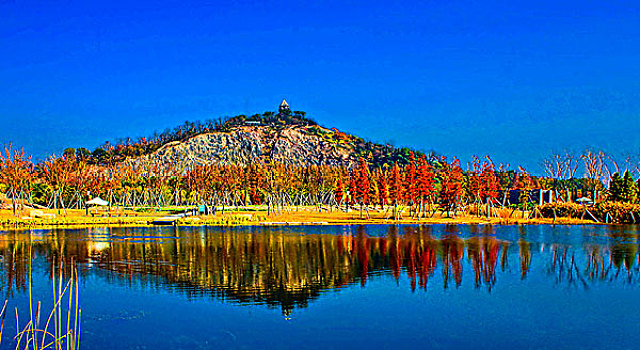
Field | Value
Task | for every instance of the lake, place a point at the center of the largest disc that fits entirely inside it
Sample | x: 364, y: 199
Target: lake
x: 335, y: 287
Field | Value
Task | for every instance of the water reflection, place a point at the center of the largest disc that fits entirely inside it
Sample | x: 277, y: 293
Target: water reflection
x: 288, y: 268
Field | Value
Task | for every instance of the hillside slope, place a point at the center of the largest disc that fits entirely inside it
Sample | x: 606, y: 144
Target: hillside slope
x: 289, y: 144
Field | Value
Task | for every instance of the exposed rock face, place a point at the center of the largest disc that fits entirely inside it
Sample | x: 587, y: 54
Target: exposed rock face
x: 296, y: 145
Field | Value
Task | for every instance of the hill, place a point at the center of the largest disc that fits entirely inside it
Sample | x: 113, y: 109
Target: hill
x: 284, y: 137
x: 289, y: 144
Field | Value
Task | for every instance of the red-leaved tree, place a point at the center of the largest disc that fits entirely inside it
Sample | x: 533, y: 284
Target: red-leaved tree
x: 451, y: 181
x: 425, y: 179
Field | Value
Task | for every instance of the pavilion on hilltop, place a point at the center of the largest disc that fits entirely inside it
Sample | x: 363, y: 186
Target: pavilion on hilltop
x: 284, y: 107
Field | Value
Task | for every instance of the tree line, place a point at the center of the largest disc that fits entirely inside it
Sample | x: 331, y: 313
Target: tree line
x: 70, y: 179
x: 423, y: 184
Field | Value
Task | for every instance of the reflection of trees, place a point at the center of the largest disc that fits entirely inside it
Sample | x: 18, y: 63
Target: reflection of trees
x: 525, y: 257
x: 601, y: 264
x: 483, y: 253
x: 15, y: 265
x: 597, y: 267
x: 624, y: 255
x: 452, y: 251
x: 564, y: 266
x: 287, y: 270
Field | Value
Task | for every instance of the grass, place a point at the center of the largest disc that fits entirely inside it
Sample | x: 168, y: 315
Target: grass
x: 64, y: 318
x: 305, y: 215
x: 255, y: 215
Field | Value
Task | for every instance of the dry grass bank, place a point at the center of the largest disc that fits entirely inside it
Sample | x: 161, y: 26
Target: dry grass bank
x: 256, y: 216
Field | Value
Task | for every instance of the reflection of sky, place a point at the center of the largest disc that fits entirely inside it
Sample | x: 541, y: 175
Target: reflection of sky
x: 541, y: 310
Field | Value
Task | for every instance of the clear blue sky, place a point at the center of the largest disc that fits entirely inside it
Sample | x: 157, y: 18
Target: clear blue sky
x: 506, y: 78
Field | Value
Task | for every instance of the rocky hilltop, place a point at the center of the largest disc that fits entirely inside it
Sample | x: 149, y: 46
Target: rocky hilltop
x: 289, y: 144
x: 286, y: 137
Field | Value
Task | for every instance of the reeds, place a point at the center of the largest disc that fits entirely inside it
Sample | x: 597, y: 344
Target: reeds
x: 65, y: 316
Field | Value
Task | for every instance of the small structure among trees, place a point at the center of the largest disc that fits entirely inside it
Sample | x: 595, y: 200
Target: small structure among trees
x: 283, y: 109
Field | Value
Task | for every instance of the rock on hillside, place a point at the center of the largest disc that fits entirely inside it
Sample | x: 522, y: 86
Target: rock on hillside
x: 290, y: 144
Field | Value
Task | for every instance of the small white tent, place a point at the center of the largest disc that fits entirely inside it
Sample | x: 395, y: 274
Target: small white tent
x: 98, y: 201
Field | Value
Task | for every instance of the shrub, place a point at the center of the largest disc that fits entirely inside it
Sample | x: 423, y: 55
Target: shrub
x: 620, y: 213
x: 564, y: 210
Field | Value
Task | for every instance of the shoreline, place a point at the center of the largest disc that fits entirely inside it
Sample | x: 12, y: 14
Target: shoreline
x: 77, y: 219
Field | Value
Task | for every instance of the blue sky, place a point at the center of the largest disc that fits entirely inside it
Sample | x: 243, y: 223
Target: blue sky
x: 511, y: 79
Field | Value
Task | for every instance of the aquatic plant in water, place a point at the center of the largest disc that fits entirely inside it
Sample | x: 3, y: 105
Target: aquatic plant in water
x: 64, y: 317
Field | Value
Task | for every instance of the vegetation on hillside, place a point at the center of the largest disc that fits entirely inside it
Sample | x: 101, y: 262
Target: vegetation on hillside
x: 114, y: 152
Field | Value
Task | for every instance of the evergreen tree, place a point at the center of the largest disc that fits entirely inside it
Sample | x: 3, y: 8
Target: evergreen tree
x: 628, y: 188
x: 615, y: 188
x: 524, y: 183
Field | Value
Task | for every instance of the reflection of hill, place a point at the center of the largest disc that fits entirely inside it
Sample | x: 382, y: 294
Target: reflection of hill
x: 287, y: 270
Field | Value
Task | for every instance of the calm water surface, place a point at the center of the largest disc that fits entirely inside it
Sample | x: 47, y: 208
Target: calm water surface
x: 335, y: 287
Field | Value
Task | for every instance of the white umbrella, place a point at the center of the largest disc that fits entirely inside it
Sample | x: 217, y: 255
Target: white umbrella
x: 98, y: 201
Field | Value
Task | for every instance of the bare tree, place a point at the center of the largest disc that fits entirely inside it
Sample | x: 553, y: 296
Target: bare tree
x: 572, y: 160
x: 611, y: 166
x: 630, y: 163
x: 595, y: 167
x: 554, y: 166
x: 561, y: 165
